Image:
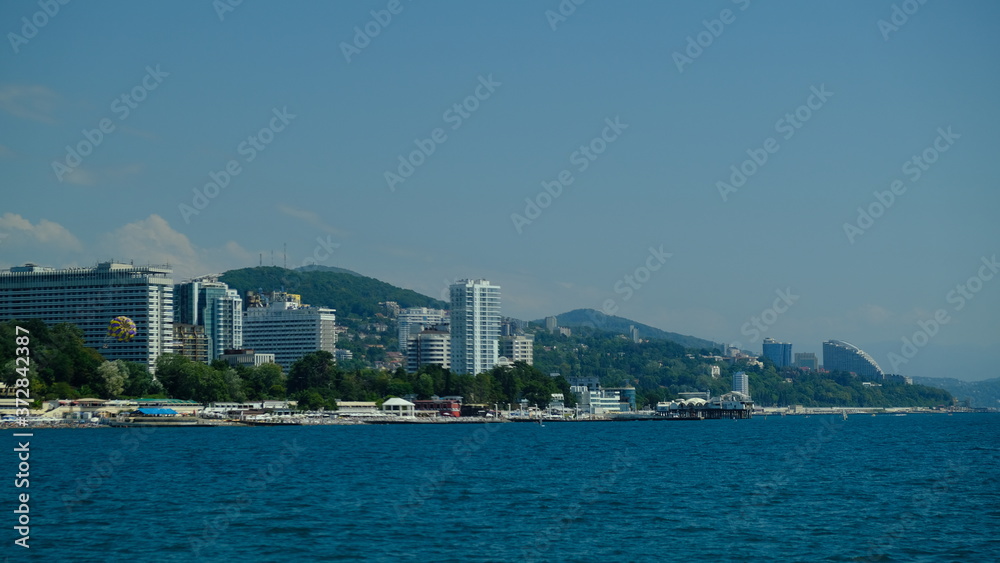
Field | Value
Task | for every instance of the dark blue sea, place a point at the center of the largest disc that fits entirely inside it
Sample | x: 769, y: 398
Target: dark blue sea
x: 885, y: 488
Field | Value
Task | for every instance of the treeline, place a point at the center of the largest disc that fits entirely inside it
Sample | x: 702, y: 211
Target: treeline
x: 60, y: 366
x: 318, y: 382
x: 772, y: 387
x: 351, y: 295
x: 660, y: 369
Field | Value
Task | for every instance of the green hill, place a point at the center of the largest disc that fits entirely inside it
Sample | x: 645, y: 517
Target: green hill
x: 350, y: 293
x: 610, y: 323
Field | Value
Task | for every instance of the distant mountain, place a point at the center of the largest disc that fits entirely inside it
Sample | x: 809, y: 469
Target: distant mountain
x: 984, y: 393
x: 318, y: 268
x: 350, y: 293
x: 611, y: 323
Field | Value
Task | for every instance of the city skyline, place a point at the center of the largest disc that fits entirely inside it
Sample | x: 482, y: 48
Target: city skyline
x: 731, y: 171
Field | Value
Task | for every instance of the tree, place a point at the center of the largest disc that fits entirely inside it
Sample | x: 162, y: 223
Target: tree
x: 113, y: 377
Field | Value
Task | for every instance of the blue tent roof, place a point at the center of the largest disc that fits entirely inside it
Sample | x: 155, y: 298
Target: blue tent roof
x: 151, y: 411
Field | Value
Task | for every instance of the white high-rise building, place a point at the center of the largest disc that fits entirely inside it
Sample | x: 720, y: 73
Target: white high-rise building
x: 90, y: 297
x: 475, y: 326
x: 288, y: 329
x: 412, y: 321
x: 741, y: 383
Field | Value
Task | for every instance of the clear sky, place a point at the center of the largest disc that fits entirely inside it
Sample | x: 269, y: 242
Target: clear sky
x: 837, y: 103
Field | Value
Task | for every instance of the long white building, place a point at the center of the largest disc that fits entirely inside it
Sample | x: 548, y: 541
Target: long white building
x: 475, y: 326
x: 90, y: 297
x: 283, y: 326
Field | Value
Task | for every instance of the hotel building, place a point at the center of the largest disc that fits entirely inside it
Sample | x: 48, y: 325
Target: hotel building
x: 283, y: 326
x: 90, y: 297
x: 842, y: 356
x: 475, y: 326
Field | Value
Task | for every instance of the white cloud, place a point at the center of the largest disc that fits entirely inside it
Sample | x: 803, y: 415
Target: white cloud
x: 33, y: 102
x: 154, y: 241
x: 21, y: 231
x: 311, y: 218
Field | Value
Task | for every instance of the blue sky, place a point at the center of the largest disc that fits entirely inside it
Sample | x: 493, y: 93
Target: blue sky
x: 319, y: 185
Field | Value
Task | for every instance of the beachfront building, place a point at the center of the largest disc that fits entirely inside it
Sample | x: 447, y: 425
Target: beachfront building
x: 430, y: 346
x: 415, y: 319
x: 519, y: 348
x: 191, y: 342
x: 209, y: 303
x: 398, y: 407
x: 778, y: 352
x: 843, y: 356
x: 280, y: 324
x: 741, y: 383
x: 246, y: 358
x: 90, y: 297
x: 475, y: 326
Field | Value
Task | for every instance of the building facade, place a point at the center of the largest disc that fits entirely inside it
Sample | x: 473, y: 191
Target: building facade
x: 191, y: 342
x: 411, y: 321
x: 90, y: 297
x: 210, y: 303
x: 430, y: 346
x: 283, y: 326
x: 475, y: 326
x: 778, y: 352
x: 518, y: 348
x: 807, y: 360
x: 741, y: 383
x: 843, y: 356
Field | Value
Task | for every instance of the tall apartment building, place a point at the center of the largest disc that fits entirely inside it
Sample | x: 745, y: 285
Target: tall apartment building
x: 90, y: 297
x: 778, y: 352
x: 475, y: 326
x: 518, y: 348
x: 283, y: 326
x: 411, y: 321
x: 191, y: 342
x: 210, y: 303
x: 843, y: 356
x: 741, y: 383
x: 430, y: 346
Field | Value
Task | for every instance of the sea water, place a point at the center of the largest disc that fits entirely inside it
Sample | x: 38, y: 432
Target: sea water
x: 885, y: 488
